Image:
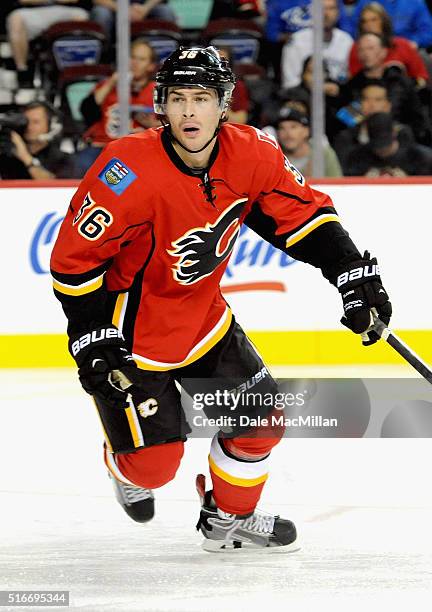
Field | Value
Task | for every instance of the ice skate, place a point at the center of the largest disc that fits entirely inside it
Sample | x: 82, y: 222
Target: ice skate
x: 138, y: 503
x: 227, y: 532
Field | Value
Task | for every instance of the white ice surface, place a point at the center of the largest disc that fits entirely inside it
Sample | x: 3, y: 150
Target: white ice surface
x: 363, y: 509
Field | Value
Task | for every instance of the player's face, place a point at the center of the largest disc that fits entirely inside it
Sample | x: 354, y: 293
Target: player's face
x: 193, y: 114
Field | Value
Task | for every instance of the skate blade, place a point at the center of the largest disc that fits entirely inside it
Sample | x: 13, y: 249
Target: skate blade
x: 217, y: 546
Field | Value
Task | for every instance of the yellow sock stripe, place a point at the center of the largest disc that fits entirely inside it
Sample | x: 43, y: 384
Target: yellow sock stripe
x: 80, y: 289
x: 234, y: 480
x: 307, y: 229
x: 144, y: 365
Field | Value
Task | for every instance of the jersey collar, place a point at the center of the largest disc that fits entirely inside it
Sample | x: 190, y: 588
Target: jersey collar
x: 177, y: 160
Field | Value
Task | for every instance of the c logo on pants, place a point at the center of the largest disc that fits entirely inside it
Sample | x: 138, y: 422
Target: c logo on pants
x: 148, y: 408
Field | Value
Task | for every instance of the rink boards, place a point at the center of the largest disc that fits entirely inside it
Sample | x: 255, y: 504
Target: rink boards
x: 289, y: 310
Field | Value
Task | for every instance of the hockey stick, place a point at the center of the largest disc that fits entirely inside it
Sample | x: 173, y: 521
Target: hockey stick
x: 400, y: 347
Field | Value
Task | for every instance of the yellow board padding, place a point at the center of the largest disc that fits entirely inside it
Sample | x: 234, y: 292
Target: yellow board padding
x: 330, y: 347
x: 276, y: 347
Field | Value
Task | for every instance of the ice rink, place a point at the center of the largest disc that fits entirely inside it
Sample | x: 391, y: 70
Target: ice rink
x: 363, y: 508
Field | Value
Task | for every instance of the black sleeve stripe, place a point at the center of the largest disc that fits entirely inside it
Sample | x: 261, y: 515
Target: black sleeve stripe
x: 79, y: 279
x: 292, y: 196
x: 266, y: 226
x: 124, y: 232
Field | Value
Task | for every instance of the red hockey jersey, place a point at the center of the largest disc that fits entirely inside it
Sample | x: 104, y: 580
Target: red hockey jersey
x: 144, y: 224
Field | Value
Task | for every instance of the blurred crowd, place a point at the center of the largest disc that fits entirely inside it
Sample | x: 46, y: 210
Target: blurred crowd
x: 58, y: 81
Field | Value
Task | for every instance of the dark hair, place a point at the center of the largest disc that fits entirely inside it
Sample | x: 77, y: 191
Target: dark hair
x: 386, y: 22
x: 325, y: 67
x: 376, y: 83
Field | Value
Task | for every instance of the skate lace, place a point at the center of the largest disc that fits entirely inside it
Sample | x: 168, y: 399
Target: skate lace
x: 259, y: 522
x: 135, y: 494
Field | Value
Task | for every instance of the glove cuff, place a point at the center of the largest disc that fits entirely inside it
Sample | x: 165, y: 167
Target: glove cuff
x: 80, y: 345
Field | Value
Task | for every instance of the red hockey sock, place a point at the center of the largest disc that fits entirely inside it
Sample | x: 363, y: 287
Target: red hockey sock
x: 239, y: 468
x: 149, y: 467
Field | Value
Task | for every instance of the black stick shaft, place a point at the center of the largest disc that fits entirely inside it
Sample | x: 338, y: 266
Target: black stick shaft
x: 404, y: 351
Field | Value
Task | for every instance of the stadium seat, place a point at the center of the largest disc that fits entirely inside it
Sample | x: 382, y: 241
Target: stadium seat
x: 75, y: 83
x: 66, y: 44
x: 192, y: 14
x: 163, y: 36
x: 242, y: 36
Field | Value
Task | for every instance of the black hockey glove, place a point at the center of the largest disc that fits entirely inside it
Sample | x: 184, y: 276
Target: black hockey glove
x: 360, y: 286
x: 106, y: 369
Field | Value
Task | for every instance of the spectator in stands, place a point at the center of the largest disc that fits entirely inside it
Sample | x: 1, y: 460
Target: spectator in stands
x: 100, y: 108
x: 36, y: 153
x: 374, y: 98
x: 411, y: 19
x: 103, y: 12
x: 385, y: 155
x: 293, y: 134
x: 296, y: 98
x: 406, y: 104
x: 375, y: 19
x: 284, y: 18
x: 337, y: 45
x: 331, y: 92
x: 236, y: 9
x: 240, y: 103
x: 30, y: 20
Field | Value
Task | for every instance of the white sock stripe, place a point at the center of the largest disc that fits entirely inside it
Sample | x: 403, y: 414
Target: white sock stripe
x: 113, y: 468
x: 238, y: 469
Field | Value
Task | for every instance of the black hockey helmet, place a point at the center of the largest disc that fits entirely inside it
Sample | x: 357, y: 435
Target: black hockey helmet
x: 194, y: 67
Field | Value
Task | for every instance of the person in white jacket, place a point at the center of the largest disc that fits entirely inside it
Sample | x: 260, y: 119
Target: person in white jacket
x: 337, y: 46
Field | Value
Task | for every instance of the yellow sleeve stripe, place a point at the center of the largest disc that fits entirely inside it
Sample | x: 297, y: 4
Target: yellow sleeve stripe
x: 234, y: 480
x: 82, y: 289
x: 309, y: 227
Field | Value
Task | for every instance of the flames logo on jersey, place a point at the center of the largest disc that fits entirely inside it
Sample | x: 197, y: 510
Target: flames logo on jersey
x: 202, y: 249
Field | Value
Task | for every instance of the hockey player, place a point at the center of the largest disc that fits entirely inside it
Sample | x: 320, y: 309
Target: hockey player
x: 137, y: 266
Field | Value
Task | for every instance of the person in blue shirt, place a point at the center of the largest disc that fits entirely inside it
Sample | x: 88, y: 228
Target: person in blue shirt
x: 284, y: 17
x: 411, y: 19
